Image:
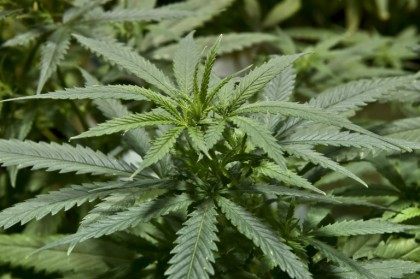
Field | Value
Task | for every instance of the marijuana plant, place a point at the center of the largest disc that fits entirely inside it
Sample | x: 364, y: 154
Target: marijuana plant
x: 230, y: 152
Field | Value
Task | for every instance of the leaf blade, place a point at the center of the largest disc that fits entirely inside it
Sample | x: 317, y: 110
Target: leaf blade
x: 196, y: 243
x: 264, y: 238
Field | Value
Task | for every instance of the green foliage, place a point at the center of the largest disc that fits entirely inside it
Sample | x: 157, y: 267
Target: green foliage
x: 60, y: 157
x: 95, y: 256
x: 194, y: 253
x: 264, y: 238
x: 382, y: 269
x: 356, y: 227
x: 209, y: 167
x: 128, y: 60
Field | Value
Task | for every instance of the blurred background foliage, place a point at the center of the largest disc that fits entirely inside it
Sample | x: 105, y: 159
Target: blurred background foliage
x: 347, y: 40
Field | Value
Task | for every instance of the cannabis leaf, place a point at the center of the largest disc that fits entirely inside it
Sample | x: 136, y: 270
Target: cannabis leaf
x: 264, y: 238
x: 60, y: 157
x: 132, y: 216
x: 194, y: 253
x: 341, y: 259
x: 356, y: 227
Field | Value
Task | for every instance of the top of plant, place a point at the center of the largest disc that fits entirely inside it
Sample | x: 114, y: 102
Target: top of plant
x: 227, y: 136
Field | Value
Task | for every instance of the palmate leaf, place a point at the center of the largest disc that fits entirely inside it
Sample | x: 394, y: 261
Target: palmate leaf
x: 360, y: 227
x: 186, y: 58
x: 193, y: 255
x: 346, y: 99
x: 60, y: 157
x: 51, y: 55
x: 110, y: 205
x: 308, y: 196
x: 383, y: 269
x: 307, y: 154
x: 129, y: 60
x: 285, y: 175
x: 332, y: 137
x: 350, y: 97
x: 93, y: 256
x: 278, y: 190
x: 308, y: 112
x: 120, y: 92
x: 66, y: 198
x: 52, y: 203
x: 231, y: 42
x: 130, y: 217
x: 260, y: 137
x: 265, y: 238
x: 281, y: 87
x: 341, y: 259
x: 259, y: 77
x: 160, y: 148
x: 128, y: 122
x: 121, y: 199
x: 144, y: 15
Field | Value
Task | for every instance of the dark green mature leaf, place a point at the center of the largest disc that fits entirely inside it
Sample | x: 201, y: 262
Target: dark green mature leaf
x: 264, y: 238
x: 308, y: 112
x: 128, y: 122
x: 134, y: 215
x: 52, y: 203
x: 119, y: 92
x: 66, y: 198
x: 332, y: 137
x: 126, y: 58
x: 63, y: 158
x: 196, y: 243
